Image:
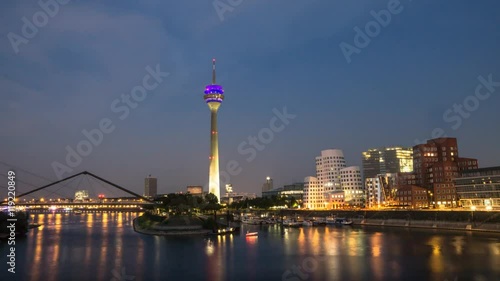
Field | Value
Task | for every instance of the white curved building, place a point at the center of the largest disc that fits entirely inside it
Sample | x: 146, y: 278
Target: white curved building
x: 352, y: 185
x: 328, y: 166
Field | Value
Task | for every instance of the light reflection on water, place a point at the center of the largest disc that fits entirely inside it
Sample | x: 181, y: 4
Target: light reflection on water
x: 91, y: 246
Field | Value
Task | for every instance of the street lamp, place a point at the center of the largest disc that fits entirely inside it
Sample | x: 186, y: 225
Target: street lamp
x: 432, y: 198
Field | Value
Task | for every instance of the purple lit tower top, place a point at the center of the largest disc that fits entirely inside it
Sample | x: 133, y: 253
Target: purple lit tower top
x: 214, y: 92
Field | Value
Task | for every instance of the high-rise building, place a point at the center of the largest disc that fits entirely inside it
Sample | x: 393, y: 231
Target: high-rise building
x: 150, y: 187
x: 436, y: 163
x: 387, y: 160
x: 268, y: 185
x: 352, y: 185
x: 214, y: 95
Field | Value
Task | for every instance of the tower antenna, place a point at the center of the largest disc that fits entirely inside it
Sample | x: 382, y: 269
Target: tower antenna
x: 213, y: 71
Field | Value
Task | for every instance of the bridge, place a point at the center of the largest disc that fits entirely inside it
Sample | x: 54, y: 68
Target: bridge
x: 135, y: 202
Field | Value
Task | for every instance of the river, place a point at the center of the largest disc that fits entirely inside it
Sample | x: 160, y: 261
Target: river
x: 104, y: 246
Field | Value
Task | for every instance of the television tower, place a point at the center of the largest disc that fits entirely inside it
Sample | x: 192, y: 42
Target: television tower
x: 214, y: 95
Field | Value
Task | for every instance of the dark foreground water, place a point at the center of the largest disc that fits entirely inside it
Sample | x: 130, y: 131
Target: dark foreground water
x: 105, y: 247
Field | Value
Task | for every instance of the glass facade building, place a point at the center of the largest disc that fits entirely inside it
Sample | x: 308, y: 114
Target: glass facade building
x: 387, y: 160
x: 479, y: 188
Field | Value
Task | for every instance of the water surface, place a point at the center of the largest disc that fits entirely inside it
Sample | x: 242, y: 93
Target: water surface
x: 103, y: 246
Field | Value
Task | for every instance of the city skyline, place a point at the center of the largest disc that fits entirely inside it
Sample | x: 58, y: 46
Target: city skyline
x: 63, y: 82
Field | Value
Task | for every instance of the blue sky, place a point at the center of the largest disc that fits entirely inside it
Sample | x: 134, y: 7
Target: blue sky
x: 270, y: 54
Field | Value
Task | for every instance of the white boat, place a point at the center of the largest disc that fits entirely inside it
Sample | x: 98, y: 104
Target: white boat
x: 307, y: 223
x: 250, y: 220
x: 292, y: 223
x: 252, y: 233
x: 330, y: 220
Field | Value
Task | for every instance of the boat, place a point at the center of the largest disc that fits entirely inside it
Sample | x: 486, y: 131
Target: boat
x: 330, y: 220
x: 251, y: 233
x: 250, y: 220
x: 307, y: 223
x: 292, y: 223
x: 77, y: 212
x: 342, y: 221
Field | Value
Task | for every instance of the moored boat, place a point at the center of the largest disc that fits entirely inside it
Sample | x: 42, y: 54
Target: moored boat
x: 307, y: 223
x: 342, y: 221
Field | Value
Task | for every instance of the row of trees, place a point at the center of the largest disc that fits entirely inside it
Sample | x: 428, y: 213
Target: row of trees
x: 187, y: 203
x: 266, y: 203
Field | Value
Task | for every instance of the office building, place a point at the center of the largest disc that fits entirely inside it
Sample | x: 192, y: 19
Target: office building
x: 316, y: 189
x: 268, y: 185
x: 314, y: 194
x: 352, y: 185
x: 387, y: 160
x: 412, y: 197
x: 150, y: 187
x: 436, y: 163
x: 479, y: 188
x: 334, y: 185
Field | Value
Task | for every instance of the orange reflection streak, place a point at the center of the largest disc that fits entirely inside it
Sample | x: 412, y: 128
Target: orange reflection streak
x: 458, y: 243
x: 301, y: 242
x: 55, y: 252
x: 318, y: 245
x: 88, y: 242
x: 90, y: 221
x: 104, y: 246
x: 436, y: 261
x: 37, y: 261
x: 377, y: 262
x: 119, y: 220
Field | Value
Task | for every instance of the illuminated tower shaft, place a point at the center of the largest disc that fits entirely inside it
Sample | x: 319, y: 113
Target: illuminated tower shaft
x: 214, y: 185
x: 214, y: 95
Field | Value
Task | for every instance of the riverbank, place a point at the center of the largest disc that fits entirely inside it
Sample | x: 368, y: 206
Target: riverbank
x: 461, y: 220
x: 438, y: 225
